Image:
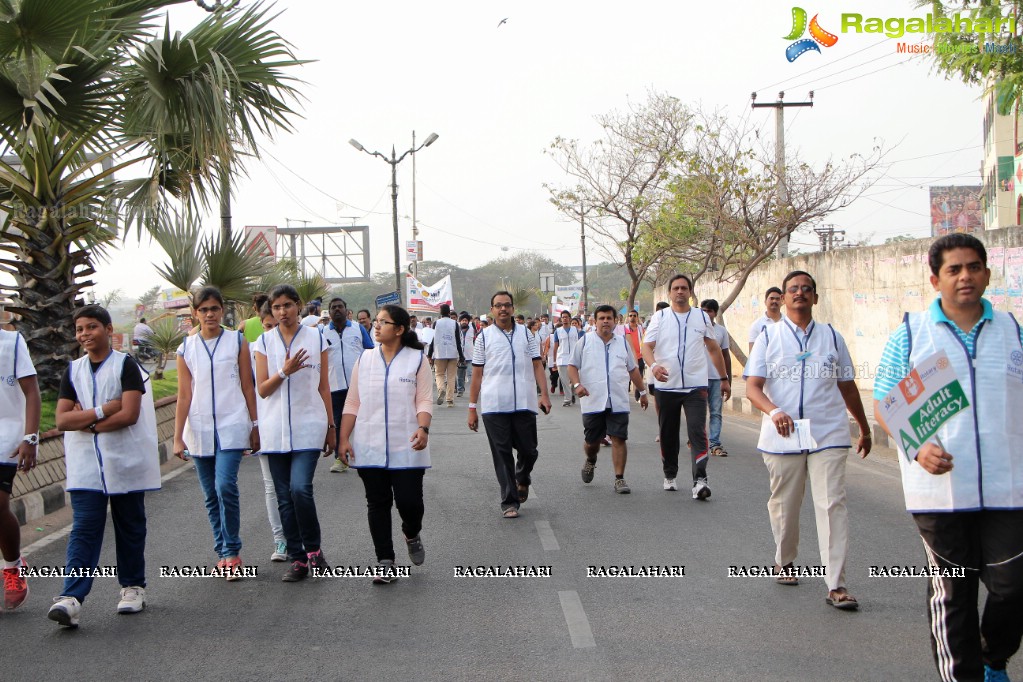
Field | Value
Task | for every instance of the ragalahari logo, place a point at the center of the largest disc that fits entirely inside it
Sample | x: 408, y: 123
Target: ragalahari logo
x: 817, y: 35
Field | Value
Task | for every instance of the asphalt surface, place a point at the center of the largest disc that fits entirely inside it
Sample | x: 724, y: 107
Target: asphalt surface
x: 433, y: 625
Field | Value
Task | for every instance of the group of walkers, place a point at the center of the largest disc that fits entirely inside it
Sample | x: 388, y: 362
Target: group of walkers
x: 293, y: 392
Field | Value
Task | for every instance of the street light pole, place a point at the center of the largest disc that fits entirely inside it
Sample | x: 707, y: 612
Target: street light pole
x: 394, y: 160
x: 394, y: 218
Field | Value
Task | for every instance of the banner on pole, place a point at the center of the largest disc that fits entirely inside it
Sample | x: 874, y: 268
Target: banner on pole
x: 428, y: 299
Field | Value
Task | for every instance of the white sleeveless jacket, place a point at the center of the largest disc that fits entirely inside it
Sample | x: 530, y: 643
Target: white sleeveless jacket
x: 344, y: 350
x: 680, y: 349
x: 987, y: 441
x: 292, y: 418
x: 12, y: 400
x: 604, y: 371
x: 387, y: 412
x: 508, y: 381
x: 218, y: 412
x: 122, y: 461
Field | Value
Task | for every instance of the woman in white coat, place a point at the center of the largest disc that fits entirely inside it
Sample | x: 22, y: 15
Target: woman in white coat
x: 215, y: 420
x: 294, y: 427
x: 385, y: 432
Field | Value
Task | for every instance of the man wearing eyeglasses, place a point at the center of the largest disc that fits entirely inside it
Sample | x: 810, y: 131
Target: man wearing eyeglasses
x: 506, y: 361
x: 801, y: 370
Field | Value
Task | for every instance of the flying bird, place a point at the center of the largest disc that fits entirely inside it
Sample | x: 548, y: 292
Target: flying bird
x: 503, y: 21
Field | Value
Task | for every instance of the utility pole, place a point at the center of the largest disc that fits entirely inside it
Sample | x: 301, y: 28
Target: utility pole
x: 829, y: 237
x: 415, y: 230
x: 582, y: 240
x: 779, y: 152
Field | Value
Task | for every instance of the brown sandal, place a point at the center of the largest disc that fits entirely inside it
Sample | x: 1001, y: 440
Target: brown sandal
x: 784, y: 579
x: 523, y: 491
x: 841, y: 599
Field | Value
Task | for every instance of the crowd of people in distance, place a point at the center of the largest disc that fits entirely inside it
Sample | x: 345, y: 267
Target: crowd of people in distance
x: 294, y: 384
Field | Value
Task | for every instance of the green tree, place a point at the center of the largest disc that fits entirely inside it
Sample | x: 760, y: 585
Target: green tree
x: 622, y: 179
x: 91, y: 88
x: 956, y: 54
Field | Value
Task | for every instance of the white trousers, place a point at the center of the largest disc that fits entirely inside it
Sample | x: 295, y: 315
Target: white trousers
x: 826, y: 471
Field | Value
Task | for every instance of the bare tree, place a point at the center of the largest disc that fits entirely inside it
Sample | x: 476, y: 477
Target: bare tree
x: 622, y: 179
x: 724, y: 217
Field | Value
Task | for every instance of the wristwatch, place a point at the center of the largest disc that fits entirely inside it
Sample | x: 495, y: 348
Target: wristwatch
x: 575, y: 386
x: 31, y: 438
x: 92, y: 427
x: 426, y: 429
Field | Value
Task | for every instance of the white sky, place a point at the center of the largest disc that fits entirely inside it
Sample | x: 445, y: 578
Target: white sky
x: 498, y: 96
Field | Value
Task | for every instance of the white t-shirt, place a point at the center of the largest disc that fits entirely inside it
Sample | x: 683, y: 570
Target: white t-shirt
x: 720, y: 335
x: 758, y: 326
x: 311, y: 320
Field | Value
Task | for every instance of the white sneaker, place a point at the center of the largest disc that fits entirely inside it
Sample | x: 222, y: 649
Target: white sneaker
x: 669, y: 484
x: 65, y: 611
x: 280, y: 551
x: 701, y: 491
x: 133, y: 600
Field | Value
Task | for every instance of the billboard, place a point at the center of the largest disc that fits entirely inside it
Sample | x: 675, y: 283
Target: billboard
x: 956, y: 208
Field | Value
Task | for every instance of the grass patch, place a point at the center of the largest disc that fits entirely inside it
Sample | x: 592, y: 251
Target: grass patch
x: 161, y: 389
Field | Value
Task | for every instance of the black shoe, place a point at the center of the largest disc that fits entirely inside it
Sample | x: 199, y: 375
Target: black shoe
x: 416, y: 551
x: 299, y: 570
x: 317, y: 564
x: 386, y: 573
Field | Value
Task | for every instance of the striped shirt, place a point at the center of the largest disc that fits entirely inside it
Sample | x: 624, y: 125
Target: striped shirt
x: 894, y: 364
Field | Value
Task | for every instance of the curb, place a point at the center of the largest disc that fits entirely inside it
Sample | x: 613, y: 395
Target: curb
x: 39, y: 503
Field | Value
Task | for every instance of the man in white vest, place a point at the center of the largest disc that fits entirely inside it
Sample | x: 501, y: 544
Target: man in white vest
x: 446, y: 351
x: 600, y: 369
x: 772, y: 302
x: 678, y: 346
x: 965, y: 489
x: 345, y: 342
x: 20, y: 406
x: 800, y: 369
x: 565, y: 339
x: 507, y: 373
x: 105, y: 409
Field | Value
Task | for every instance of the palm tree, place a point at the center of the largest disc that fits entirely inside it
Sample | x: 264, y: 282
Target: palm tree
x: 91, y: 88
x: 166, y: 338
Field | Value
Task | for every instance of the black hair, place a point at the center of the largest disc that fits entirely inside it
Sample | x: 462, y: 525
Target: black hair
x: 143, y: 320
x: 445, y: 310
x: 258, y: 299
x: 799, y: 273
x: 680, y: 276
x: 207, y: 293
x: 502, y: 293
x: 661, y: 305
x: 956, y: 240
x: 773, y: 290
x: 265, y: 310
x: 337, y: 298
x: 710, y: 304
x: 94, y: 312
x: 364, y: 310
x: 605, y: 309
x: 285, y: 290
x: 465, y: 316
x: 401, y: 318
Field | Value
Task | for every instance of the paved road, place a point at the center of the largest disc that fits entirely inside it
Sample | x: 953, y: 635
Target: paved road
x: 704, y: 626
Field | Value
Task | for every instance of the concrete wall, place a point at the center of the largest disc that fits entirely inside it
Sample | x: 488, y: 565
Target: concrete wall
x: 865, y: 291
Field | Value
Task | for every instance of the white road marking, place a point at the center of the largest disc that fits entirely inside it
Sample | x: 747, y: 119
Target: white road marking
x: 547, y: 539
x: 575, y: 618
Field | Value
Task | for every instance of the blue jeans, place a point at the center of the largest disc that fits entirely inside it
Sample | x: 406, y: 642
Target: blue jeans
x: 463, y: 376
x: 714, y: 407
x: 292, y: 473
x: 218, y: 478
x: 89, y: 518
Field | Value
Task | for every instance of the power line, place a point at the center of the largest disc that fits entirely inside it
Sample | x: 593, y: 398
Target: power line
x: 827, y: 65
